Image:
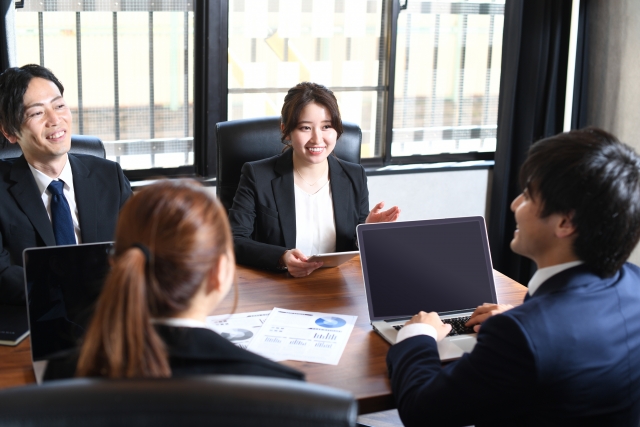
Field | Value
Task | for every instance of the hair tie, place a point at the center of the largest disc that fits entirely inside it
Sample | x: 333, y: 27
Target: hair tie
x: 145, y: 250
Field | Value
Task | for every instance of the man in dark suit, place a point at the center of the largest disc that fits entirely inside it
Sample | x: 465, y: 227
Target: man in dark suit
x: 570, y: 354
x: 34, y: 115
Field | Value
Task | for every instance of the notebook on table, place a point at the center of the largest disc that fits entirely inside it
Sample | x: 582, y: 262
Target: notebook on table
x: 62, y: 286
x: 441, y: 265
x: 13, y: 324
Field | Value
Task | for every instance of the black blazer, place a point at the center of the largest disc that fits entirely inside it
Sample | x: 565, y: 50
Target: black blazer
x: 263, y: 215
x: 195, y: 351
x: 100, y: 191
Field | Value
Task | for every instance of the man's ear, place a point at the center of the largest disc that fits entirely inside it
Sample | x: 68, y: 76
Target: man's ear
x: 565, y: 226
x: 11, y: 138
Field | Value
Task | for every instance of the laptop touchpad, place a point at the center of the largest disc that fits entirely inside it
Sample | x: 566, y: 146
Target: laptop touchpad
x: 454, y: 348
x: 465, y: 343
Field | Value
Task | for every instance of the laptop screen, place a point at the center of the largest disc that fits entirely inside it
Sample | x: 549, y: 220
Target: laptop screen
x: 62, y: 284
x: 441, y: 265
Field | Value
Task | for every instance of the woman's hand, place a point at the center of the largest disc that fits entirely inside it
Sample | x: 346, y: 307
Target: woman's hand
x: 296, y: 263
x: 432, y: 319
x: 377, y: 215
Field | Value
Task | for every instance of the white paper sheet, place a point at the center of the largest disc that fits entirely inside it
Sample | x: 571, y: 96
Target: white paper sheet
x: 239, y: 328
x: 303, y: 335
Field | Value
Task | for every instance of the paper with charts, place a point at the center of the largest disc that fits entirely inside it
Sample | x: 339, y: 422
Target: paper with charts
x: 239, y: 328
x: 303, y: 335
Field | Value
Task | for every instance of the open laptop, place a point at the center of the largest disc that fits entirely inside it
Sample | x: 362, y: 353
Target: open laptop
x: 62, y: 286
x: 441, y: 265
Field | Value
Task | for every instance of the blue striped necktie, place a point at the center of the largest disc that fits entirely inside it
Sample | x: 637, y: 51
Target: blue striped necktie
x: 61, y: 215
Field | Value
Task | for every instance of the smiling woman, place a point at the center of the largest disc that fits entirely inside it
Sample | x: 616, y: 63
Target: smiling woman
x: 304, y: 201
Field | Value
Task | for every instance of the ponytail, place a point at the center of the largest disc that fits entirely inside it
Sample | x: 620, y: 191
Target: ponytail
x: 121, y: 342
x: 170, y: 235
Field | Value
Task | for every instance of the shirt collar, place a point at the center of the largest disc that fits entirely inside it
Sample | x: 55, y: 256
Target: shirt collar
x: 43, y: 180
x: 180, y: 322
x: 544, y: 274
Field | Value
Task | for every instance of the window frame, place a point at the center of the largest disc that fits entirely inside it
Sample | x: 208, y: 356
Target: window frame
x: 211, y: 37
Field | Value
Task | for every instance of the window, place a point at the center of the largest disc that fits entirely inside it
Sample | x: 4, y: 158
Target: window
x: 447, y: 78
x: 421, y: 80
x: 275, y: 44
x: 446, y: 62
x: 126, y: 70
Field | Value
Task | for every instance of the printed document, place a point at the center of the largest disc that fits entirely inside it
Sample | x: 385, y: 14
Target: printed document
x: 303, y: 335
x: 239, y: 328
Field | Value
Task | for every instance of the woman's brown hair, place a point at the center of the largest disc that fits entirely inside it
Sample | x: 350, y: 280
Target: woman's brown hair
x: 299, y: 97
x: 185, y: 231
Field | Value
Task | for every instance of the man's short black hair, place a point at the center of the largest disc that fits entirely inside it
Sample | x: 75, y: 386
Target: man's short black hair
x: 594, y: 177
x: 13, y: 85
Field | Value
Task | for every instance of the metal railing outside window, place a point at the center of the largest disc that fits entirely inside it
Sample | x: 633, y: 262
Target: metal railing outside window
x: 126, y: 68
x: 444, y: 55
x: 447, y: 77
x: 422, y: 80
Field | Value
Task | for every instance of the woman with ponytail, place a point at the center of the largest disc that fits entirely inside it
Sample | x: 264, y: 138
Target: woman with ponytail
x: 172, y: 264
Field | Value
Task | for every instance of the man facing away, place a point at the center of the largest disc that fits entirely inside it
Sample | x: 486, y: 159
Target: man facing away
x: 570, y: 354
x: 48, y: 196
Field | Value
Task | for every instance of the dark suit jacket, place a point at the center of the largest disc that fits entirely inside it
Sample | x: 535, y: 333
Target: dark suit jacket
x: 568, y: 356
x: 263, y: 215
x: 195, y: 351
x: 100, y: 191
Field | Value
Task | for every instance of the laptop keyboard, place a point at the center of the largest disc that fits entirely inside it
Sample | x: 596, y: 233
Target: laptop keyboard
x: 457, y: 326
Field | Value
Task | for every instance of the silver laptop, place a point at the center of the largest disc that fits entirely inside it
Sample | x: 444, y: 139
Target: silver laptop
x: 62, y: 285
x: 441, y: 265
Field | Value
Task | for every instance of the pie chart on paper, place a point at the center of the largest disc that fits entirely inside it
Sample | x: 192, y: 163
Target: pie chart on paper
x: 330, y: 322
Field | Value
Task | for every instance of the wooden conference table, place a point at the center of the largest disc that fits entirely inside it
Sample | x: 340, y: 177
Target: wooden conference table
x: 362, y: 368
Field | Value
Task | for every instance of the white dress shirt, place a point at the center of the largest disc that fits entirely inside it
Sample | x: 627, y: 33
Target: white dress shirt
x: 538, y: 278
x: 315, y: 223
x: 43, y: 181
x: 180, y: 322
x: 544, y: 274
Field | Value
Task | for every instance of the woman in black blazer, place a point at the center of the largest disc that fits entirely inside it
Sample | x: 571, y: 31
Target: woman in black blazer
x: 172, y: 264
x: 270, y: 218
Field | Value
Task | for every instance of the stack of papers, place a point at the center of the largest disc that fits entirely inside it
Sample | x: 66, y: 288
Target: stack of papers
x: 282, y: 334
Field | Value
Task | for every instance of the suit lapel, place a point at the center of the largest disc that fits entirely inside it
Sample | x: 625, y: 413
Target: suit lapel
x: 340, y: 183
x: 283, y: 193
x: 86, y: 200
x: 26, y: 193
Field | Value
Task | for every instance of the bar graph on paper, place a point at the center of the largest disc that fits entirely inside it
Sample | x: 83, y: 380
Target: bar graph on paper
x: 303, y: 335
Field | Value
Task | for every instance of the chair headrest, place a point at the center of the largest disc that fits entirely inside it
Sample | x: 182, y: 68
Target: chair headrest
x: 80, y: 144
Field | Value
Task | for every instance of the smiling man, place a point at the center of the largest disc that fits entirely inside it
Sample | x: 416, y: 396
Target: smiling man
x: 48, y: 196
x: 570, y: 354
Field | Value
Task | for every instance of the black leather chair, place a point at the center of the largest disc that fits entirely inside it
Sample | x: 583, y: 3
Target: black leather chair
x: 221, y: 400
x: 248, y: 140
x: 80, y: 144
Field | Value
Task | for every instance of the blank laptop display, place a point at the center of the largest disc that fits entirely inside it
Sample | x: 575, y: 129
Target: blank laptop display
x: 441, y: 265
x: 62, y: 286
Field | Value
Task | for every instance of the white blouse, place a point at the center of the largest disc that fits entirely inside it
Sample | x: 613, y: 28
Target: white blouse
x: 315, y: 223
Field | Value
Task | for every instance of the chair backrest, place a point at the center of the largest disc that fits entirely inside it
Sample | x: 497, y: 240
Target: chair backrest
x: 222, y: 400
x: 248, y: 140
x: 80, y: 144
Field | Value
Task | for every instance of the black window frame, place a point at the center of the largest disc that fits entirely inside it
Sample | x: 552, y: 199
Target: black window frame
x: 211, y: 36
x: 212, y: 108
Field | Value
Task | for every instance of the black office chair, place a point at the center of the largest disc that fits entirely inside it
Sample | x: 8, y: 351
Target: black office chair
x: 216, y: 400
x: 80, y: 144
x: 248, y: 140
